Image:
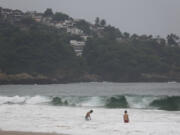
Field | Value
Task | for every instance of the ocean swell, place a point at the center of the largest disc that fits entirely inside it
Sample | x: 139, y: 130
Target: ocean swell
x: 117, y: 102
x: 171, y: 103
x: 167, y: 103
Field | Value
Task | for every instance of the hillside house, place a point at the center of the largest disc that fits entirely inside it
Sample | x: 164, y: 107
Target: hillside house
x: 84, y: 37
x: 75, y: 31
x: 77, y: 46
x: 59, y: 25
x: 11, y: 15
x: 37, y: 18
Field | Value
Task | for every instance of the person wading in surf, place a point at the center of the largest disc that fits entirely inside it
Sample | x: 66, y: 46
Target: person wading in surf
x: 88, y: 115
x: 126, y: 117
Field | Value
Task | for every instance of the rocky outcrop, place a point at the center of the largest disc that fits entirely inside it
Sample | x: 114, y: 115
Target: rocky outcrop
x: 25, y: 78
x: 22, y: 78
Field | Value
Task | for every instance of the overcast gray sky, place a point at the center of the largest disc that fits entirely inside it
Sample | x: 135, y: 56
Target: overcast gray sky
x: 157, y: 17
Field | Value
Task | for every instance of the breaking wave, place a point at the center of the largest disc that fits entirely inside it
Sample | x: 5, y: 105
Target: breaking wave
x: 167, y: 103
x: 171, y: 103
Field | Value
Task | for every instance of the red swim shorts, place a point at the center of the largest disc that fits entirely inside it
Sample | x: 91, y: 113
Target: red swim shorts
x: 126, y: 121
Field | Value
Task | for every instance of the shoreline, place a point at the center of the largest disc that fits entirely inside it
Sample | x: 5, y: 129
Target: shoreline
x: 25, y: 78
x: 40, y: 83
x: 26, y: 133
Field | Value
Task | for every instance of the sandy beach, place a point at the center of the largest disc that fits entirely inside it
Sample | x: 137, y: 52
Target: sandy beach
x: 25, y: 133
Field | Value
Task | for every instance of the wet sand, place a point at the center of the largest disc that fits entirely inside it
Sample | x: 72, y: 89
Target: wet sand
x: 25, y: 133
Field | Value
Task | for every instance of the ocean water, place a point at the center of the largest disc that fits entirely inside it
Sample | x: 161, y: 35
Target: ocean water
x: 153, y: 108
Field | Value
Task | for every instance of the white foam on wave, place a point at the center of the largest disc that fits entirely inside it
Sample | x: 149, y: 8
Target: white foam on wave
x: 13, y: 100
x: 37, y: 100
x: 24, y: 100
x: 92, y: 102
x: 70, y: 120
x: 140, y: 101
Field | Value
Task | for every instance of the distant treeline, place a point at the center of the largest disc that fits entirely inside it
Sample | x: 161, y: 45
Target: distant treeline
x: 140, y: 58
x: 110, y: 55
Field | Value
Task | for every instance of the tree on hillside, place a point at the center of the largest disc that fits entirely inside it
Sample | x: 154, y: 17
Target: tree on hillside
x: 48, y: 12
x: 172, y: 39
x: 134, y: 37
x: 111, y: 32
x: 126, y: 35
x: 103, y: 22
x: 27, y: 21
x: 58, y: 16
x: 84, y: 26
x: 97, y: 21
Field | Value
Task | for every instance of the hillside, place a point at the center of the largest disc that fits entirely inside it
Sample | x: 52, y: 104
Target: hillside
x: 55, y: 48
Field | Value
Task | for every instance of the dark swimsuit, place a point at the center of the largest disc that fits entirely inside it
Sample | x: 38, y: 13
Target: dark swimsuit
x: 126, y: 121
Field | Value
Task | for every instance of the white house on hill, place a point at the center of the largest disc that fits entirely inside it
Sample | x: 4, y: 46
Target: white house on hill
x: 77, y: 46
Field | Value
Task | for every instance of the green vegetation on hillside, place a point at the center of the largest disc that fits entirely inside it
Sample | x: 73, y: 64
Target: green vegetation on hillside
x: 58, y: 16
x: 30, y: 49
x: 131, y: 58
x: 34, y: 48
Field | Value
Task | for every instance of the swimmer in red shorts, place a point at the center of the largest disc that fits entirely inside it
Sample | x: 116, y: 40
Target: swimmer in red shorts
x: 126, y: 117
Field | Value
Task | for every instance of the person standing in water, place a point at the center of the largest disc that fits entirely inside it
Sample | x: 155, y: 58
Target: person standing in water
x: 126, y: 117
x: 88, y: 115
